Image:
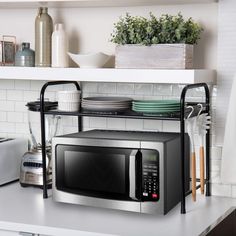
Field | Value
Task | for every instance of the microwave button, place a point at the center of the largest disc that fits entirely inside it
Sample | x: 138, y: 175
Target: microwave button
x: 154, y: 195
x: 145, y: 194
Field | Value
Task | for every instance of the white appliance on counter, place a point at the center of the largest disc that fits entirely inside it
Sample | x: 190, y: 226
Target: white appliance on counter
x: 11, y: 152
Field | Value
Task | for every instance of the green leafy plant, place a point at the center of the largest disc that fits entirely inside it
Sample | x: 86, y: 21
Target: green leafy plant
x: 165, y: 29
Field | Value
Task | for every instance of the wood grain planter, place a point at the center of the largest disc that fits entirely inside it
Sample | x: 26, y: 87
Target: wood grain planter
x: 157, y: 56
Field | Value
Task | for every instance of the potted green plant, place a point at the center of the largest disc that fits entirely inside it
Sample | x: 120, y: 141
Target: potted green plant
x: 163, y: 43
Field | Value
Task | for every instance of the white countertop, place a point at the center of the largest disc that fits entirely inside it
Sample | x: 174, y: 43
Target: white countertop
x: 24, y: 209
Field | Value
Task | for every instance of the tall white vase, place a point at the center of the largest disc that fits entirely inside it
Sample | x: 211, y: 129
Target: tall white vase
x: 59, y: 47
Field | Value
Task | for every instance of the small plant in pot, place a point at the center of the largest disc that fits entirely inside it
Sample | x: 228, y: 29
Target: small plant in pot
x: 162, y: 43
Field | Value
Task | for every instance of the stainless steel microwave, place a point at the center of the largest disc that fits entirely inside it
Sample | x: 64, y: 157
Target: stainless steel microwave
x: 125, y: 170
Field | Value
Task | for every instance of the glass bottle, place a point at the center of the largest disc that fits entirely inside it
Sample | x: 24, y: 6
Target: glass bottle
x: 25, y: 56
x: 59, y: 47
x: 43, y: 34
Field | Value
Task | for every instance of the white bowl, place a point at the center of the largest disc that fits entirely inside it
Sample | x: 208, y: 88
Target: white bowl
x: 91, y: 60
x: 68, y: 106
x: 69, y: 96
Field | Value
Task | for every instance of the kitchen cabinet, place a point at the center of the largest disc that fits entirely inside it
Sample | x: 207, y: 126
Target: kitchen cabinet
x: 94, y: 3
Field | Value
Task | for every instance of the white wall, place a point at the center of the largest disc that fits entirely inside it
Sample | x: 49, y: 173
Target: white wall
x: 89, y: 30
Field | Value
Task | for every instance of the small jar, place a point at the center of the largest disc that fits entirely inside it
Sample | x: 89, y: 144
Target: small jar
x: 25, y: 56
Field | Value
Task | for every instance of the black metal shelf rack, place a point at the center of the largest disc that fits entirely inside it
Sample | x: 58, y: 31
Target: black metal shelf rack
x: 176, y: 117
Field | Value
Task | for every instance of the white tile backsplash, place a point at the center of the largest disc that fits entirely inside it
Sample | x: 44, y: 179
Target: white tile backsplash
x: 22, y: 84
x: 30, y: 95
x: 7, y: 106
x: 162, y: 89
x: 17, y: 117
x: 109, y: 88
x: 143, y: 89
x: 7, y: 84
x: 134, y: 124
x: 14, y: 95
x: 90, y: 87
x: 22, y: 128
x: 234, y: 191
x: 98, y: 122
x: 116, y: 124
x: 171, y: 126
x: 215, y: 177
x: 152, y: 125
x: 222, y: 190
x: 3, y: 116
x: 36, y: 84
x: 7, y: 127
x: 3, y: 94
x: 20, y: 106
x: 216, y: 153
x: 125, y: 88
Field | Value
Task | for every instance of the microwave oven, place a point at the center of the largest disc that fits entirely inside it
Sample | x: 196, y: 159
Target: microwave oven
x: 125, y: 170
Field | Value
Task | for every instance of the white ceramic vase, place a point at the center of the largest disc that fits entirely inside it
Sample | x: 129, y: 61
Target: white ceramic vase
x: 59, y: 47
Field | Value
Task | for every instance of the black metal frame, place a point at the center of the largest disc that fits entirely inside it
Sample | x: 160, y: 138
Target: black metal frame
x: 134, y: 115
x: 182, y: 131
x: 42, y: 117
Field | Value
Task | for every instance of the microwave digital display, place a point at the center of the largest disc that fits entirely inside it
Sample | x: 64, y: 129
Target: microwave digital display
x: 151, y: 157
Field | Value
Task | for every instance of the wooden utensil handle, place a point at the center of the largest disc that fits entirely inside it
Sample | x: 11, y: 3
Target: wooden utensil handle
x: 202, y: 169
x: 193, y: 171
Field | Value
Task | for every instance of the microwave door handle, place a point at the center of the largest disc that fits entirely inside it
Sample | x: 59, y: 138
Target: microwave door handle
x: 135, y: 175
x: 132, y: 175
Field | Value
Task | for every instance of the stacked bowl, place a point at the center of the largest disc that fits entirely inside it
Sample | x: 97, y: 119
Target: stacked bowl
x: 69, y: 100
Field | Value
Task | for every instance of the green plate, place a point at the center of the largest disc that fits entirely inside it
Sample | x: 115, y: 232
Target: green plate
x: 155, y: 110
x: 156, y: 102
x: 156, y: 106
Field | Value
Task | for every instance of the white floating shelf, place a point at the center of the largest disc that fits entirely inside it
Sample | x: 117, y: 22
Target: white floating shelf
x: 109, y: 75
x: 94, y: 3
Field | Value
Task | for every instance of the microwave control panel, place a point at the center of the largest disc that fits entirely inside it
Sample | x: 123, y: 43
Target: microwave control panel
x: 150, y: 173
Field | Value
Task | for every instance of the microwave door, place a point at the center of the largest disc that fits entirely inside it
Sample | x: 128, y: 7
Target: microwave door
x: 95, y: 171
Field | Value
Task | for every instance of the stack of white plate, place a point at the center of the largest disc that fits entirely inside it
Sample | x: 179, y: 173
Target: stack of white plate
x: 106, y: 104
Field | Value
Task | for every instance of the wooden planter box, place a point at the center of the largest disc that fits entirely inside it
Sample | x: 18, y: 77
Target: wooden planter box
x: 157, y: 56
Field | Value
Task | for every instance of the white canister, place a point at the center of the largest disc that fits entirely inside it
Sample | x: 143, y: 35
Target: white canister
x: 69, y: 100
x: 59, y: 47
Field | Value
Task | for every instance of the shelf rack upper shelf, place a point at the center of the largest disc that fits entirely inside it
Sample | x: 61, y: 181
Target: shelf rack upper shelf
x: 110, y: 75
x: 94, y: 3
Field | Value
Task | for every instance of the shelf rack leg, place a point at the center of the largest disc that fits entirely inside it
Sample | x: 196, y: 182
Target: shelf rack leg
x: 208, y: 166
x: 182, y: 132
x: 182, y: 148
x: 80, y: 119
x: 43, y: 138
